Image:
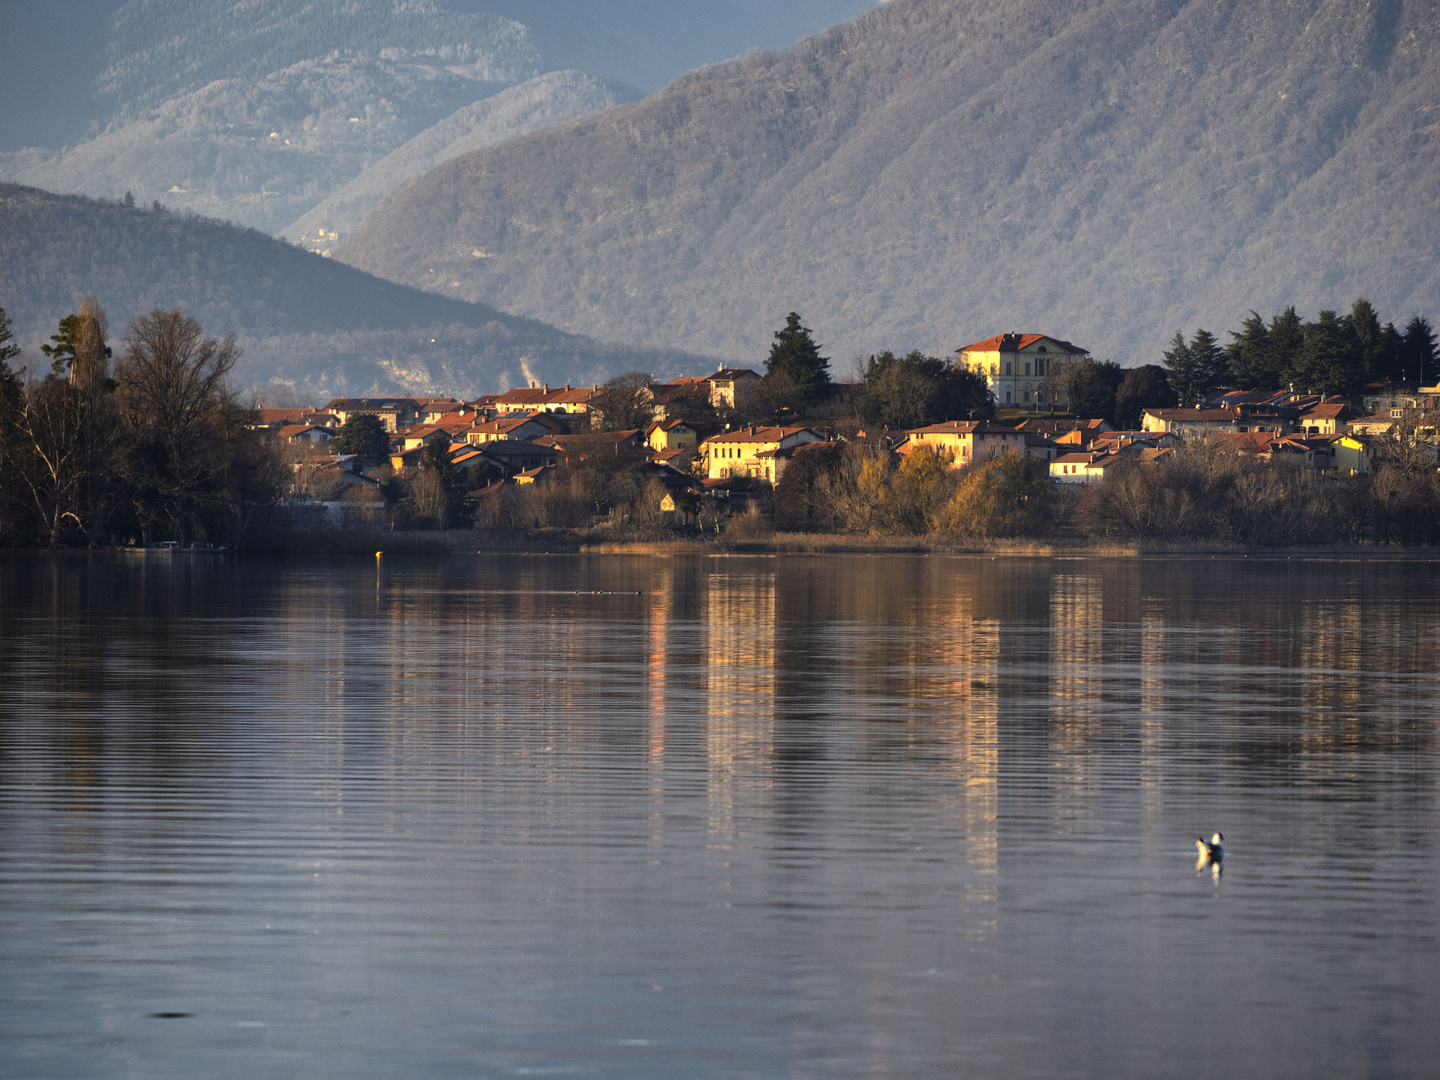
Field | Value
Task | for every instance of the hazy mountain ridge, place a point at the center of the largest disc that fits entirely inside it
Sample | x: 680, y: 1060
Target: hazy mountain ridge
x: 263, y: 151
x: 161, y: 49
x: 553, y: 98
x: 193, y: 90
x: 306, y: 321
x: 936, y: 171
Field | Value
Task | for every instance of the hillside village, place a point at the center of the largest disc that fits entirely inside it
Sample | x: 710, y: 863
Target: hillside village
x: 694, y: 436
x: 1019, y: 435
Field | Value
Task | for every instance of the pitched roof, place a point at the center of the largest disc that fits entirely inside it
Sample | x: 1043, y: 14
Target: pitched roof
x: 289, y: 431
x: 1330, y: 410
x: 374, y: 404
x: 540, y: 396
x: 1050, y: 426
x: 503, y: 424
x: 1016, y: 342
x: 289, y: 416
x: 965, y: 427
x: 758, y: 435
x: 592, y: 439
x: 1218, y: 416
x: 424, y: 431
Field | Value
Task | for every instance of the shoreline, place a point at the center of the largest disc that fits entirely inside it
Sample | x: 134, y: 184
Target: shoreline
x: 470, y: 542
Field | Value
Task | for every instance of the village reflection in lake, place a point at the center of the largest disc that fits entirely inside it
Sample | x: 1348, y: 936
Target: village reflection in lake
x: 717, y: 816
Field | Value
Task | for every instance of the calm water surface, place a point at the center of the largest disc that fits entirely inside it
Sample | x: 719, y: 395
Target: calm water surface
x: 626, y: 817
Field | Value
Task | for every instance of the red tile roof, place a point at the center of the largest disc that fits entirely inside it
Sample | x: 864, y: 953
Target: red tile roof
x: 1016, y: 342
x: 771, y: 434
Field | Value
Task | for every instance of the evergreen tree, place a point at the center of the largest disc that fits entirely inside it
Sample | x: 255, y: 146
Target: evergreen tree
x: 365, y: 435
x: 1090, y: 386
x: 1391, y: 361
x: 1143, y: 388
x: 1287, y: 335
x: 61, y: 349
x: 1196, y: 368
x: 78, y: 332
x: 915, y: 389
x: 1418, y: 350
x: 1366, y: 340
x: 1326, y: 364
x: 1248, y: 356
x: 8, y: 349
x: 796, y: 356
x: 964, y: 395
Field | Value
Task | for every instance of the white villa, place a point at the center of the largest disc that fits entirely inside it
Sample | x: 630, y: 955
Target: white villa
x: 1019, y: 366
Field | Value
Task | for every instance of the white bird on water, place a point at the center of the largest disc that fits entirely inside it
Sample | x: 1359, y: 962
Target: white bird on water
x: 1214, y: 850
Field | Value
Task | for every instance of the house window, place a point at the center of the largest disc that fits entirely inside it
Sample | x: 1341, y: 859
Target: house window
x: 1040, y: 364
x: 1008, y: 365
x: 1027, y: 367
x: 1025, y: 396
x: 1007, y: 393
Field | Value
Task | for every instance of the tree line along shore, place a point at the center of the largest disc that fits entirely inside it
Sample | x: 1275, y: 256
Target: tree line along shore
x: 147, y: 442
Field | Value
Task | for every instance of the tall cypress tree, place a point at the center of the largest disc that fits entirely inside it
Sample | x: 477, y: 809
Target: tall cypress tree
x: 796, y: 356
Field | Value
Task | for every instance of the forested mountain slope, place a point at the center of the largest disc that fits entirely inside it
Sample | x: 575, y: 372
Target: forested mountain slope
x: 161, y: 49
x: 939, y: 170
x: 306, y: 321
x: 552, y: 98
x: 254, y: 111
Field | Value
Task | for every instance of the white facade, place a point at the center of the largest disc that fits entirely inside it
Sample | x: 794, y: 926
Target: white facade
x: 1019, y: 367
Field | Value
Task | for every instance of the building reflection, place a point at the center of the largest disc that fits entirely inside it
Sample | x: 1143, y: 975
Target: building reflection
x: 792, y: 685
x: 740, y: 672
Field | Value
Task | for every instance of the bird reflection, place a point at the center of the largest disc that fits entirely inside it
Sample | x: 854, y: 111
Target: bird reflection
x: 1212, y: 854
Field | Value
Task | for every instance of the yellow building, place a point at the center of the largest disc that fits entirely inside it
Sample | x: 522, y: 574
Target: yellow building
x: 671, y: 435
x: 1352, y: 454
x: 753, y: 452
x: 967, y: 440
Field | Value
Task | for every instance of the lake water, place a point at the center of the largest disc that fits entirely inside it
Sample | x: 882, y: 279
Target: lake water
x: 638, y: 817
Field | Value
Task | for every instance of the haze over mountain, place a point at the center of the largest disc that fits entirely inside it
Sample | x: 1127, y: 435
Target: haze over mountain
x: 548, y: 99
x: 936, y: 171
x: 255, y: 111
x: 311, y: 324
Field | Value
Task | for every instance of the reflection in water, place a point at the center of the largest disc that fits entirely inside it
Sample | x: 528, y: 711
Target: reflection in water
x: 691, y: 816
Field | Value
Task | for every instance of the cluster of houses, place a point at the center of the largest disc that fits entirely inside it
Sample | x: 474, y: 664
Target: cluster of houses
x: 524, y: 433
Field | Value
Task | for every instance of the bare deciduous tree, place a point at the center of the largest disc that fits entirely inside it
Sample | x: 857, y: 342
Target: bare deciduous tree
x: 179, y: 421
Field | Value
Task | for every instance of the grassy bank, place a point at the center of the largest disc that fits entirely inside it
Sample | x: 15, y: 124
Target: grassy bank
x: 604, y: 542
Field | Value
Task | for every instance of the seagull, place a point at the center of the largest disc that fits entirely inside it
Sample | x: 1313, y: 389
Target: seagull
x: 1214, y: 850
